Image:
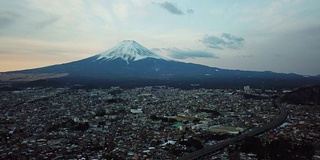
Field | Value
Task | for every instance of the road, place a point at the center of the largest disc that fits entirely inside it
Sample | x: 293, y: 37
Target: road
x: 200, y: 154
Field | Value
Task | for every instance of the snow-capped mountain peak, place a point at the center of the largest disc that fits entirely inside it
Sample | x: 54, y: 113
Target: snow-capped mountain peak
x: 128, y: 50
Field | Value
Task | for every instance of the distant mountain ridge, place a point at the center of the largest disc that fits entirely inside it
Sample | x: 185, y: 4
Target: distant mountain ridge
x: 130, y: 62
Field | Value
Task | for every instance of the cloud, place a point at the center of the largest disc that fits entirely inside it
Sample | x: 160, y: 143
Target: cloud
x: 185, y: 54
x: 155, y: 49
x: 7, y: 18
x: 47, y: 22
x: 172, y: 8
x: 245, y: 56
x: 190, y: 11
x: 225, y: 40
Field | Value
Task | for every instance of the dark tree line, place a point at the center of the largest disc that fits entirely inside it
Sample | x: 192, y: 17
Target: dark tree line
x: 278, y: 149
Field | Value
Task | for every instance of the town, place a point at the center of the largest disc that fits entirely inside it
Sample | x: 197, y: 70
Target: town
x: 153, y: 122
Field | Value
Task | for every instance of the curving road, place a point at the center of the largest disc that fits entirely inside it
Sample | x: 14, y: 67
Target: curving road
x: 202, y: 153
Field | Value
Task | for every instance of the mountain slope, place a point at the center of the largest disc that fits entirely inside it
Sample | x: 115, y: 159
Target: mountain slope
x: 128, y: 50
x: 305, y: 95
x: 129, y: 61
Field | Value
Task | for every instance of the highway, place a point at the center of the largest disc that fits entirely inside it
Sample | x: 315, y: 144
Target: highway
x: 207, y: 151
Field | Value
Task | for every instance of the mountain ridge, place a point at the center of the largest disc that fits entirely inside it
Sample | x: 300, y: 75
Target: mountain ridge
x: 131, y: 62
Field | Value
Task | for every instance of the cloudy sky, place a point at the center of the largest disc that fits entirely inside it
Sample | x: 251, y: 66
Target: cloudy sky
x: 279, y: 35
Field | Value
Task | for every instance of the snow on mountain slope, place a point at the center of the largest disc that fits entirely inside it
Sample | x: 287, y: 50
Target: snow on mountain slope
x: 128, y: 50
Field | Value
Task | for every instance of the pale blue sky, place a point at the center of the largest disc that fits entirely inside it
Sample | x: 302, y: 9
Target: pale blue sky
x: 279, y: 36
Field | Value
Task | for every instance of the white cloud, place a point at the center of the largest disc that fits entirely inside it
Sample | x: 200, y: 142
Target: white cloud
x: 224, y: 41
x: 170, y: 7
x: 176, y: 53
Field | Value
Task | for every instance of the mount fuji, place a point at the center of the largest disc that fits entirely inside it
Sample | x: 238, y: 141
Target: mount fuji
x: 131, y: 63
x: 126, y: 60
x: 128, y: 50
